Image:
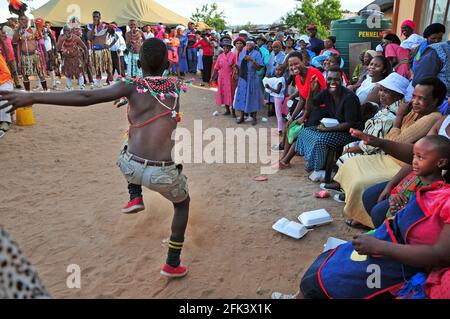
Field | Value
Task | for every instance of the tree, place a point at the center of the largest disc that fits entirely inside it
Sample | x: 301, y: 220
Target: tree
x: 209, y: 13
x: 248, y: 27
x: 319, y: 13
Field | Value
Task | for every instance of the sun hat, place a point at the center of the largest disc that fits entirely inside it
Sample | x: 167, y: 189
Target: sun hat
x: 304, y: 38
x: 318, y: 60
x: 395, y: 82
x: 226, y: 41
x: 240, y: 39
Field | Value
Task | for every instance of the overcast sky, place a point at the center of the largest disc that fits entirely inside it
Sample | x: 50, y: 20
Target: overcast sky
x: 237, y: 12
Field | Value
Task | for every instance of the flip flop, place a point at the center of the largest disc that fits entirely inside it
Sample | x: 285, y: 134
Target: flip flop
x: 338, y: 198
x: 323, y: 186
x: 351, y: 223
x: 261, y: 178
x: 2, y: 133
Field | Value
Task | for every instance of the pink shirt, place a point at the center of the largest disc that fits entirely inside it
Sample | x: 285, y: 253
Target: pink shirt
x: 394, y: 50
x: 9, y: 47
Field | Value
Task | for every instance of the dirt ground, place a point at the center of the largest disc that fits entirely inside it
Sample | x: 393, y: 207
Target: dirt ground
x: 61, y: 195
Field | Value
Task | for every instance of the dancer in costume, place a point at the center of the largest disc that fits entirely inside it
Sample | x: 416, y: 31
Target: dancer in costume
x: 146, y: 158
x: 134, y: 39
x: 31, y: 62
x: 51, y: 55
x: 101, y: 61
x: 74, y: 54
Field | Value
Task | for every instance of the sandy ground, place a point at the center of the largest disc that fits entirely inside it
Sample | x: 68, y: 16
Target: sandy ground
x: 61, y: 195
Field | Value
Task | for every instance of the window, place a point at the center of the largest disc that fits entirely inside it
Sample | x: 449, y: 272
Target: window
x: 437, y: 11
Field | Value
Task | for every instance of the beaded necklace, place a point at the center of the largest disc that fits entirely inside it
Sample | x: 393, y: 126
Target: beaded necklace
x: 161, y: 88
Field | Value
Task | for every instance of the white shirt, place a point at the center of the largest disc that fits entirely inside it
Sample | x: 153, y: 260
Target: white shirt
x: 274, y: 82
x: 149, y: 35
x: 413, y: 41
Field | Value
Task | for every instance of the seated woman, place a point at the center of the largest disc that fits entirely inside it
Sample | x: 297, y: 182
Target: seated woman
x: 362, y: 70
x: 416, y: 240
x: 335, y: 102
x: 361, y: 172
x: 334, y: 60
x: 379, y: 69
x: 392, y: 90
x: 303, y: 79
x: 377, y: 199
x: 398, y: 57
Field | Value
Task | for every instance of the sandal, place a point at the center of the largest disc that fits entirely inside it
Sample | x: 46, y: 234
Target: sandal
x: 332, y: 187
x: 340, y: 198
x: 354, y: 224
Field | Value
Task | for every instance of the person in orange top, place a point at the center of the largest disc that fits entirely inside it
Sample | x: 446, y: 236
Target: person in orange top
x: 6, y: 84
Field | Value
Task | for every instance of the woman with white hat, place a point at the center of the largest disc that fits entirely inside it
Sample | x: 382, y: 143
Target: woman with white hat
x: 392, y: 91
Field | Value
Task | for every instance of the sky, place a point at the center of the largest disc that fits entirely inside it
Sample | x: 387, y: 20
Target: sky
x: 237, y: 12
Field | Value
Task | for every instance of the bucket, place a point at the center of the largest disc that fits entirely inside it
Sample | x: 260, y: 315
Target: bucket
x: 24, y: 116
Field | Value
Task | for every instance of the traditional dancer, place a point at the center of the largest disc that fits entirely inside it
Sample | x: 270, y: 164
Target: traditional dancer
x: 51, y: 53
x: 30, y: 60
x: 146, y: 158
x: 134, y: 39
x: 74, y: 54
x: 101, y: 61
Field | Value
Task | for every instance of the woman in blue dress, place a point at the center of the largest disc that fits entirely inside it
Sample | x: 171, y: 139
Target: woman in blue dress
x: 249, y: 98
x: 182, y: 55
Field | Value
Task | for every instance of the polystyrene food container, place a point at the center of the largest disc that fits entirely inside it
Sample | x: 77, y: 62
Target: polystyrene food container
x: 315, y: 218
x: 290, y: 228
x: 332, y: 243
x: 327, y: 122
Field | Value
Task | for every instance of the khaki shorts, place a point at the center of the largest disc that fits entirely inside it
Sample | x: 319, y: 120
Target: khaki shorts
x: 168, y: 180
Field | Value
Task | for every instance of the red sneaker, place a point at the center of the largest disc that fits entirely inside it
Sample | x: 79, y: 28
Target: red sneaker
x: 172, y: 272
x: 134, y: 206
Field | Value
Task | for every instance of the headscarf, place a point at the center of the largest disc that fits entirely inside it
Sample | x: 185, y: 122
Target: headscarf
x: 240, y: 39
x: 372, y: 53
x: 409, y: 23
x: 433, y: 29
x: 277, y: 44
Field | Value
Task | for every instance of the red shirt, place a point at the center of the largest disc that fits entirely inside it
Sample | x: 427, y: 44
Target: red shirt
x: 206, y: 46
x: 303, y: 89
x: 10, y: 54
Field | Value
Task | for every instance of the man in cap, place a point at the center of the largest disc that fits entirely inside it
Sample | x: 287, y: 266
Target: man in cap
x: 316, y: 44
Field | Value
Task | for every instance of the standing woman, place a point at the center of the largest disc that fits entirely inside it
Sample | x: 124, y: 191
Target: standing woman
x: 182, y: 50
x: 74, y: 54
x: 248, y: 95
x: 224, y: 66
x: 206, y: 44
x: 239, y: 45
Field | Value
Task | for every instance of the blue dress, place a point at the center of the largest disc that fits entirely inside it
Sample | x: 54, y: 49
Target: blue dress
x: 183, y: 60
x: 249, y: 97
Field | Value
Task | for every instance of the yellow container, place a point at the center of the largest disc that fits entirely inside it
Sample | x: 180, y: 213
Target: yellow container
x: 24, y: 116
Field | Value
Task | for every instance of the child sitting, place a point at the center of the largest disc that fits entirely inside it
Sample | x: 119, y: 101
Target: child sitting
x: 146, y: 159
x: 429, y: 161
x: 277, y: 87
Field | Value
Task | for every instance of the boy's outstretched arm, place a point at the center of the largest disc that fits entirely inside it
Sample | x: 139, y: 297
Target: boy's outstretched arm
x: 74, y: 98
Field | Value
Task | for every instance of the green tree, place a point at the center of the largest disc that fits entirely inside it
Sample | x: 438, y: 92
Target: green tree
x: 319, y: 13
x: 210, y: 14
x: 248, y: 27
